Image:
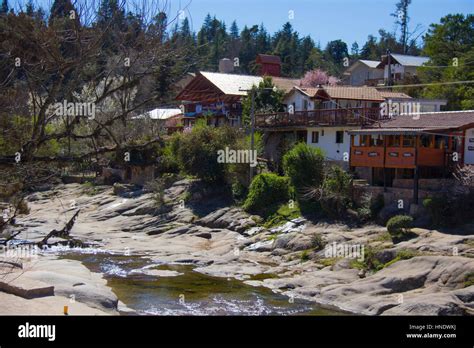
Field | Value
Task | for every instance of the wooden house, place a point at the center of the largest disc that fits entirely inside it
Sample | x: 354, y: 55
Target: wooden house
x: 424, y: 147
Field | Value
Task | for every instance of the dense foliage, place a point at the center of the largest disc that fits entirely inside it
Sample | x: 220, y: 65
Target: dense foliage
x: 304, y: 165
x: 399, y: 225
x: 265, y: 191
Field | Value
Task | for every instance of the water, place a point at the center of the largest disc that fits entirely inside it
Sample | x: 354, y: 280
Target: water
x: 190, y: 292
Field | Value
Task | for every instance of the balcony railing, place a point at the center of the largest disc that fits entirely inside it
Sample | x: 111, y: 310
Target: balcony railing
x: 328, y: 117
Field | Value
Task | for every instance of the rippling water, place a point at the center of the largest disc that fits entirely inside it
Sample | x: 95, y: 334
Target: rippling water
x: 133, y: 280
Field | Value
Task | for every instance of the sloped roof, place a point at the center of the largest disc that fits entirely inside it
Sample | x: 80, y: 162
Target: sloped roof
x: 426, y: 121
x: 160, y: 114
x: 163, y: 114
x: 232, y: 84
x: 285, y: 84
x: 405, y: 60
x: 370, y: 63
x: 410, y: 60
x: 396, y: 95
x: 351, y: 92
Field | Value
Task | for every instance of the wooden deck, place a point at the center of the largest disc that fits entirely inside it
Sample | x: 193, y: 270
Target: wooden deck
x: 322, y: 117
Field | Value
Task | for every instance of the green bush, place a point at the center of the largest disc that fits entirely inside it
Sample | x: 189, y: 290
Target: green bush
x: 399, y: 225
x: 370, y: 207
x: 450, y: 209
x: 196, y: 152
x: 336, y: 192
x: 265, y: 191
x: 304, y: 165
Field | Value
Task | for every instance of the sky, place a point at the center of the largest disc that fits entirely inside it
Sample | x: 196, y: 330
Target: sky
x: 323, y: 20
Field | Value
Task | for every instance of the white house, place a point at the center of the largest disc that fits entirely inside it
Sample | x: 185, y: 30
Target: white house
x: 323, y: 116
x: 401, y: 66
x: 364, y: 73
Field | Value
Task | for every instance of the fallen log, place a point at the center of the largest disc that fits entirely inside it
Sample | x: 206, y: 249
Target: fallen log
x: 63, y: 233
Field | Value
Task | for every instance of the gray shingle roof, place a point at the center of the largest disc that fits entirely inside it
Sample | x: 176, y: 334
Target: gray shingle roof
x: 410, y: 60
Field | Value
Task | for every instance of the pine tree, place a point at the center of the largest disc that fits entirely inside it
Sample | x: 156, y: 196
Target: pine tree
x: 355, y: 50
x: 234, y: 31
x: 4, y: 7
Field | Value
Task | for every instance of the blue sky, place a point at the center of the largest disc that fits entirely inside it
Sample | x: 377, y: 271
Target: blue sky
x: 323, y: 20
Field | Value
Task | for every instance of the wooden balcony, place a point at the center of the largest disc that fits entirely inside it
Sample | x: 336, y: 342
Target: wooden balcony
x: 396, y: 157
x: 321, y: 117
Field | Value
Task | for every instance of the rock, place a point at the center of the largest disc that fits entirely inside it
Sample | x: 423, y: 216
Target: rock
x: 254, y: 230
x: 126, y: 190
x: 289, y: 227
x: 282, y: 240
x: 157, y: 272
x: 233, y: 219
x: 300, y: 242
x: 205, y: 235
x: 430, y: 277
x: 260, y: 246
x: 13, y: 283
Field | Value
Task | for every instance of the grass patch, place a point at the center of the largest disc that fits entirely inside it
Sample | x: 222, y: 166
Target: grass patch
x: 90, y: 189
x: 371, y: 263
x: 304, y: 256
x: 330, y: 261
x: 283, y: 214
x: 470, y: 242
x: 469, y: 279
x: 384, y: 237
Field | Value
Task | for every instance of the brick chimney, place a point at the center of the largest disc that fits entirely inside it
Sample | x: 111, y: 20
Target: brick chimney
x: 269, y: 65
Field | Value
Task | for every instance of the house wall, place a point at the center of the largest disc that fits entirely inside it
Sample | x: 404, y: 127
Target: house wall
x: 362, y: 73
x: 327, y: 142
x: 297, y: 99
x: 469, y: 147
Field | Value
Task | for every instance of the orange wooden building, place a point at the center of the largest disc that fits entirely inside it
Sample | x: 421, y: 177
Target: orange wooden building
x: 427, y: 145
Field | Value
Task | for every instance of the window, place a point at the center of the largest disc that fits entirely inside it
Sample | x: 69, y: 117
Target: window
x: 394, y: 141
x: 315, y: 137
x: 305, y: 105
x: 339, y: 137
x: 408, y: 141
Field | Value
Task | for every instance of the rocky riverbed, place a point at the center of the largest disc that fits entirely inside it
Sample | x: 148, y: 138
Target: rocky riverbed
x: 218, y: 240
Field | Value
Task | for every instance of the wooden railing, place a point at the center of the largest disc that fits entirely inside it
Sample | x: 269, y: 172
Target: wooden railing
x: 396, y: 157
x: 330, y: 117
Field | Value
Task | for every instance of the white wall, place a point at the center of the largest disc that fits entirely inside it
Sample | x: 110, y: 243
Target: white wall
x: 327, y: 142
x: 298, y: 98
x: 469, y: 154
x: 396, y: 69
x: 362, y: 73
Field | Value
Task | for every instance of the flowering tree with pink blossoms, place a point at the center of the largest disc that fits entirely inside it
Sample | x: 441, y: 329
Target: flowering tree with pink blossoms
x: 316, y: 77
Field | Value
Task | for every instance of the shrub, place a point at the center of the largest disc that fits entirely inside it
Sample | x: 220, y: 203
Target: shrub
x: 317, y: 242
x: 304, y: 256
x: 451, y: 208
x: 265, y: 191
x: 370, y: 207
x: 196, y: 152
x: 304, y: 165
x: 336, y: 192
x: 399, y: 225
